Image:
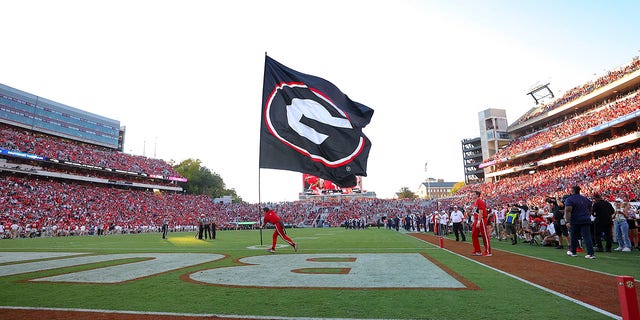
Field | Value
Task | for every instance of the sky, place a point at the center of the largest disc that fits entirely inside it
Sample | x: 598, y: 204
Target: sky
x: 185, y: 77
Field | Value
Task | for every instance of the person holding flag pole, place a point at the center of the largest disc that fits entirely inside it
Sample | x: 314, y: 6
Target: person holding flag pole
x: 271, y: 217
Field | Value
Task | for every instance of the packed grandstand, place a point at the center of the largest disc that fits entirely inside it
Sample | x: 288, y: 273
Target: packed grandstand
x: 55, y: 186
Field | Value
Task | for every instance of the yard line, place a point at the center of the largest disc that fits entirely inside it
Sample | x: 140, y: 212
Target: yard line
x: 174, y: 314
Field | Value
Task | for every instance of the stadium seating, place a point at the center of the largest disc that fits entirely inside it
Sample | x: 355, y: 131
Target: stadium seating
x: 56, y: 207
x: 30, y: 142
x: 584, y: 89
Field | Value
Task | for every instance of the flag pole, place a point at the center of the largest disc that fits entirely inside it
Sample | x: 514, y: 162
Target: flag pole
x: 259, y: 171
x: 259, y: 206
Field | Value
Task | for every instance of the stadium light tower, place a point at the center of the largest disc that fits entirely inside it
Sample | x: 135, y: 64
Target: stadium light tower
x: 540, y: 91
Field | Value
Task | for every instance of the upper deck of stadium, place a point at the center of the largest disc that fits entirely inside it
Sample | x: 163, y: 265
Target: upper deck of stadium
x: 608, y: 86
x: 590, y: 119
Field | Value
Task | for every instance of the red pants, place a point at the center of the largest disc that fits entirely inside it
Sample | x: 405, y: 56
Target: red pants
x: 481, y: 230
x: 279, y: 231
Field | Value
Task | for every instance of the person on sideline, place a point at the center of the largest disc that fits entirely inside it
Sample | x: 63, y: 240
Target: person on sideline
x: 603, y: 211
x: 511, y: 223
x: 559, y: 222
x: 206, y: 222
x: 457, y: 217
x: 500, y: 215
x: 200, y: 226
x: 631, y: 222
x: 270, y: 216
x: 165, y: 227
x: 622, y: 227
x: 213, y: 228
x: 479, y: 227
x: 577, y: 213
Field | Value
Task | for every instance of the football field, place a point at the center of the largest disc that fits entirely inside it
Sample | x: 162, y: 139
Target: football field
x: 336, y: 274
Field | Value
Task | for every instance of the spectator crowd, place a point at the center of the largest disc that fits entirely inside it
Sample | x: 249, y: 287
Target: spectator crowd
x: 42, y: 207
x: 574, y: 125
x: 584, y: 89
x: 30, y: 142
x: 37, y: 206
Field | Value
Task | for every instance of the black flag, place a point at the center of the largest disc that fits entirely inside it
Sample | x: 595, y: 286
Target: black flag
x: 308, y: 125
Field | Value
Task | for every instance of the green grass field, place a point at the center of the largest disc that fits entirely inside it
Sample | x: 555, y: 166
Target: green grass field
x: 499, y: 296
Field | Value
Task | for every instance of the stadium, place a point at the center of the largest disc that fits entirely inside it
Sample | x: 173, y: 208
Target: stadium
x: 81, y: 221
x: 81, y: 218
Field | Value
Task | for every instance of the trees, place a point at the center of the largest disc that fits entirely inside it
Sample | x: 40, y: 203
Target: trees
x: 457, y: 187
x: 202, y: 180
x: 405, y: 193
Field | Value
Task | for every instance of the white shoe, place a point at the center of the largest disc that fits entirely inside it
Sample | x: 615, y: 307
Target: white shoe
x: 571, y: 254
x: 626, y: 250
x: 618, y: 249
x: 590, y: 256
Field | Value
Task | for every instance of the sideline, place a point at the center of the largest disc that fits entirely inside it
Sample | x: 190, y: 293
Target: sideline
x: 561, y: 295
x: 90, y: 314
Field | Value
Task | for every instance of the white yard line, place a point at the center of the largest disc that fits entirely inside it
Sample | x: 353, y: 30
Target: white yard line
x: 177, y: 314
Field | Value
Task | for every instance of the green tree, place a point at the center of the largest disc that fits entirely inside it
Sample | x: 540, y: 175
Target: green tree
x: 405, y: 193
x: 203, y: 181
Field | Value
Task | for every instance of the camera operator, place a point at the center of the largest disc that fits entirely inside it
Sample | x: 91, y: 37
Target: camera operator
x: 559, y: 224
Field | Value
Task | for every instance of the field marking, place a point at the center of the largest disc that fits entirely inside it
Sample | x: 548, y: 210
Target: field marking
x: 561, y: 295
x: 365, y: 270
x: 153, y: 263
x: 175, y: 314
x: 14, y: 257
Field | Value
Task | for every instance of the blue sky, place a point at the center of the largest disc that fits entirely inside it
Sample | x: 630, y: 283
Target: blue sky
x: 185, y: 77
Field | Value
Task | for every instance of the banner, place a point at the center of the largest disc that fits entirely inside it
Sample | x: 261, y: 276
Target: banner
x: 308, y: 125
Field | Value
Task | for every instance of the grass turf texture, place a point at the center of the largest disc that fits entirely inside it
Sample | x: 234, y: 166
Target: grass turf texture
x: 499, y: 295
